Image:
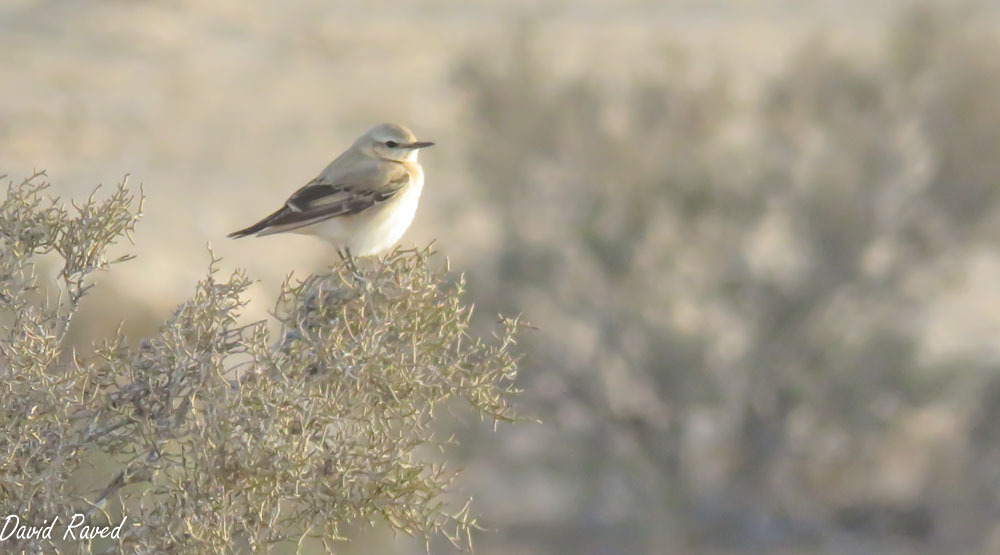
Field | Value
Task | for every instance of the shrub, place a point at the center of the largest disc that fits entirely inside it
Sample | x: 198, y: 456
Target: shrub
x: 221, y: 436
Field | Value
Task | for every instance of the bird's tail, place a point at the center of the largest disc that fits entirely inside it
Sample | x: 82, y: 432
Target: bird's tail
x: 259, y: 226
x: 247, y: 231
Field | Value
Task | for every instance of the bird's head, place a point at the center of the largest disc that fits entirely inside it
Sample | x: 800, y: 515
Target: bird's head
x: 390, y: 141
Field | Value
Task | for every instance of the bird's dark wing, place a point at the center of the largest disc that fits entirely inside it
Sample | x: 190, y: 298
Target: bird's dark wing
x: 321, y: 199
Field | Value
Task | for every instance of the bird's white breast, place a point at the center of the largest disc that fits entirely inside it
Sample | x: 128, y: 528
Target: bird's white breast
x: 380, y: 227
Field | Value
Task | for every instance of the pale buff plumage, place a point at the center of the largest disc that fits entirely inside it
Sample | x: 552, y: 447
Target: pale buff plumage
x: 363, y: 201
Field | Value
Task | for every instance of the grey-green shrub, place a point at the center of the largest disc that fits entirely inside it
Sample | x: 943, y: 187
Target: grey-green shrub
x: 222, y: 436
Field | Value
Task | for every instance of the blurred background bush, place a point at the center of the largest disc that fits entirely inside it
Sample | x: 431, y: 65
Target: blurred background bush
x: 758, y: 238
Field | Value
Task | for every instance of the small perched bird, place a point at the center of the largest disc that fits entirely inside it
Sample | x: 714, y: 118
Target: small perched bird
x: 363, y: 201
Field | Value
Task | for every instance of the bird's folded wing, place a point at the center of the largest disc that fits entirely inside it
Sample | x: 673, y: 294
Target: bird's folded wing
x: 322, y: 199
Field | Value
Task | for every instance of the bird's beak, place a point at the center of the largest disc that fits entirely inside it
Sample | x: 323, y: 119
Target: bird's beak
x: 418, y: 144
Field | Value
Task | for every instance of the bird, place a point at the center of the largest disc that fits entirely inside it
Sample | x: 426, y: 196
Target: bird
x: 363, y: 201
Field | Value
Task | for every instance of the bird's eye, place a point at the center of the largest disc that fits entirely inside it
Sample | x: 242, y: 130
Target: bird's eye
x: 391, y: 144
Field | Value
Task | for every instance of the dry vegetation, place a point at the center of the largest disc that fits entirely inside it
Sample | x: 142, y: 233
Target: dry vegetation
x: 221, y: 437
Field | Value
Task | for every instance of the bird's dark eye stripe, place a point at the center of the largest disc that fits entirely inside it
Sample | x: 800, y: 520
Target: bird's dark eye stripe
x: 391, y: 144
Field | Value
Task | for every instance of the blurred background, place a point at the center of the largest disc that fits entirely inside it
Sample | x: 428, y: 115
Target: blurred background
x: 758, y: 237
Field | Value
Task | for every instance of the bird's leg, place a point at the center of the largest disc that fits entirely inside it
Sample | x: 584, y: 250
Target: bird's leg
x: 352, y: 264
x: 345, y: 256
x: 349, y: 262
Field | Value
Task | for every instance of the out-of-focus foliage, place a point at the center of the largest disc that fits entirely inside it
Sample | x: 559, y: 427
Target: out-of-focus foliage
x: 728, y: 293
x: 222, y: 438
